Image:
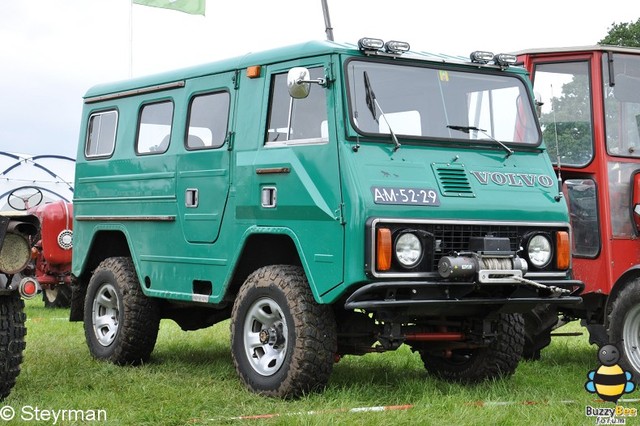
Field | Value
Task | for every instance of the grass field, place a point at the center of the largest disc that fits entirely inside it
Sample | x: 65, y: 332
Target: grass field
x: 191, y: 380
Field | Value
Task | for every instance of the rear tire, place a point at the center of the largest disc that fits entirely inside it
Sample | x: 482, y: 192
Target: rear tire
x: 12, y: 344
x: 499, y: 359
x: 624, y: 328
x: 120, y: 322
x: 283, y: 343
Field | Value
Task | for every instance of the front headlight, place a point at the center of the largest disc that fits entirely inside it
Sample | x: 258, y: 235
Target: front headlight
x: 408, y: 250
x: 14, y: 254
x: 539, y: 251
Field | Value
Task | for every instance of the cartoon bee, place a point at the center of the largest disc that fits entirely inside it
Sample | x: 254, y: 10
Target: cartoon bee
x: 609, y: 381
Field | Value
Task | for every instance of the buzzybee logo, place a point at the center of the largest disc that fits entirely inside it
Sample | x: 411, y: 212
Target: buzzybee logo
x: 609, y: 381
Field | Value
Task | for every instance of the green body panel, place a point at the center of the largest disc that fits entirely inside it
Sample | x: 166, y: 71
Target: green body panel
x: 324, y: 189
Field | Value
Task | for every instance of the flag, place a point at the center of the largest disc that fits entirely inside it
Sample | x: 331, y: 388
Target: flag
x: 194, y: 7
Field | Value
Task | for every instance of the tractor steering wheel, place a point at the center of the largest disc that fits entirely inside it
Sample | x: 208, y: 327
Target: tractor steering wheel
x: 24, y: 198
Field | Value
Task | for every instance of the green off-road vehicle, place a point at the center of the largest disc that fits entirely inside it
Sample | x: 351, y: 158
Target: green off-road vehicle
x: 330, y: 199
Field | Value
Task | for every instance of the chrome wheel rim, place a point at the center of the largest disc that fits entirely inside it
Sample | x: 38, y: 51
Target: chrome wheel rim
x: 631, y: 336
x: 265, y: 336
x: 105, y: 314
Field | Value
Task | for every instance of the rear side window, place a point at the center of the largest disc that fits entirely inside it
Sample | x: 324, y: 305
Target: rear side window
x: 208, y: 118
x: 101, y: 134
x: 154, y: 128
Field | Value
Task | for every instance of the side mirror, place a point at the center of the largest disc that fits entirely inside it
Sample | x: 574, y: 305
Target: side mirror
x: 635, y: 200
x: 538, y: 103
x: 298, y: 82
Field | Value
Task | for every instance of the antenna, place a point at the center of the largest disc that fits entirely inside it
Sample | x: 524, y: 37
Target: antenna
x: 555, y: 129
x: 327, y: 20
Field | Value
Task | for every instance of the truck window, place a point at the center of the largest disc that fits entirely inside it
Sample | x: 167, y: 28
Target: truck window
x: 583, y: 210
x: 308, y: 116
x: 101, y: 134
x: 622, y: 104
x: 154, y: 128
x: 566, y: 111
x: 423, y: 102
x: 208, y: 118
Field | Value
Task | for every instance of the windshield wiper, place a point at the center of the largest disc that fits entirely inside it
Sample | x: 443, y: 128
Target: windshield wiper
x: 373, y: 105
x: 467, y: 129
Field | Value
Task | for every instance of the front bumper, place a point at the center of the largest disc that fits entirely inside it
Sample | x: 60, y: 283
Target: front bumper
x: 437, y: 298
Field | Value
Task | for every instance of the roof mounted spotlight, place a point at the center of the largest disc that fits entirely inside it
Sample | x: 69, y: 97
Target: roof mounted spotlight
x: 396, y: 47
x: 504, y: 59
x: 369, y: 44
x: 481, y: 57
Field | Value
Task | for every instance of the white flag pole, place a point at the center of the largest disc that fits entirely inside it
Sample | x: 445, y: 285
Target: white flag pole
x: 130, y: 38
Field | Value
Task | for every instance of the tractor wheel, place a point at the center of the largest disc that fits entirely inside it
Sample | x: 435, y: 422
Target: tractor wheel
x: 499, y: 359
x: 283, y: 343
x: 120, y: 322
x: 57, y: 297
x: 12, y: 332
x: 624, y: 328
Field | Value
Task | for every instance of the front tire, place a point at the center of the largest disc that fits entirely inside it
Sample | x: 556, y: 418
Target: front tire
x: 12, y: 344
x: 624, y: 328
x: 499, y: 359
x: 120, y: 322
x: 283, y: 343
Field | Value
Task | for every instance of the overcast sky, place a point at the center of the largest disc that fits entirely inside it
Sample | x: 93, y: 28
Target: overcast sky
x: 52, y: 51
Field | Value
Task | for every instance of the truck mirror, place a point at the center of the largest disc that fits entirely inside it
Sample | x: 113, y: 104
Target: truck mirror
x: 538, y: 101
x: 298, y: 82
x: 635, y: 201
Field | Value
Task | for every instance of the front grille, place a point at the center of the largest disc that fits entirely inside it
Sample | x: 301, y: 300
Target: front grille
x: 455, y: 238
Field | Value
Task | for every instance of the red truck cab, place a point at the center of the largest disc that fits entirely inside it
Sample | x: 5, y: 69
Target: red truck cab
x: 590, y: 116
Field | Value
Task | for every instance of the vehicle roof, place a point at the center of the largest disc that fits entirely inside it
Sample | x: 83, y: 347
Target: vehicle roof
x: 590, y: 48
x: 303, y: 50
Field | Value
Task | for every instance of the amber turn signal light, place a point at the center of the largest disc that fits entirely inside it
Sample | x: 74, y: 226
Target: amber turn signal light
x: 383, y: 249
x: 563, y: 250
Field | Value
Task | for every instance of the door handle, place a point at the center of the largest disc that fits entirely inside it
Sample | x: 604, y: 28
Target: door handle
x: 191, y: 197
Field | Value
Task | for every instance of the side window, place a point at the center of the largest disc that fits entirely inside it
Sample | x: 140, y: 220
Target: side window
x: 154, y: 128
x: 208, y: 118
x: 566, y: 111
x: 101, y: 134
x: 583, y: 210
x: 297, y: 119
x: 622, y: 104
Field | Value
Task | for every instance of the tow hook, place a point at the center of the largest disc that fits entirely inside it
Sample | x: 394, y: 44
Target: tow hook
x: 555, y: 291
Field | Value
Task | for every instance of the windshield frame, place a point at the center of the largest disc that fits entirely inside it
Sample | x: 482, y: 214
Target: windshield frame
x: 354, y: 131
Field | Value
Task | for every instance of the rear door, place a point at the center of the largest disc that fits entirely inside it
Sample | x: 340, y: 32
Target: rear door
x: 203, y: 166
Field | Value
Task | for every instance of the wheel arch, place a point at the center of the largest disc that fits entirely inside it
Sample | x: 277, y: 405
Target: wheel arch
x: 104, y: 244
x: 265, y: 244
x: 621, y: 283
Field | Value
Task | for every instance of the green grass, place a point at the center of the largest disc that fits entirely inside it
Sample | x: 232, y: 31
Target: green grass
x: 190, y: 380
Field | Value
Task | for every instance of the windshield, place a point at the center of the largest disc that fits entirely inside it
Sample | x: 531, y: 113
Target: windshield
x: 433, y: 103
x: 622, y: 104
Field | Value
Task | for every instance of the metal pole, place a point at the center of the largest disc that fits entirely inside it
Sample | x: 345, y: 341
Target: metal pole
x: 327, y: 20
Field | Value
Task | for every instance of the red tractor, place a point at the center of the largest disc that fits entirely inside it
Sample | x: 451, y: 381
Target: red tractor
x: 51, y: 247
x: 589, y: 100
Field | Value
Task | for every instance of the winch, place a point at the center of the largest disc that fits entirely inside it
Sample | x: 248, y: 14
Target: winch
x: 489, y: 257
